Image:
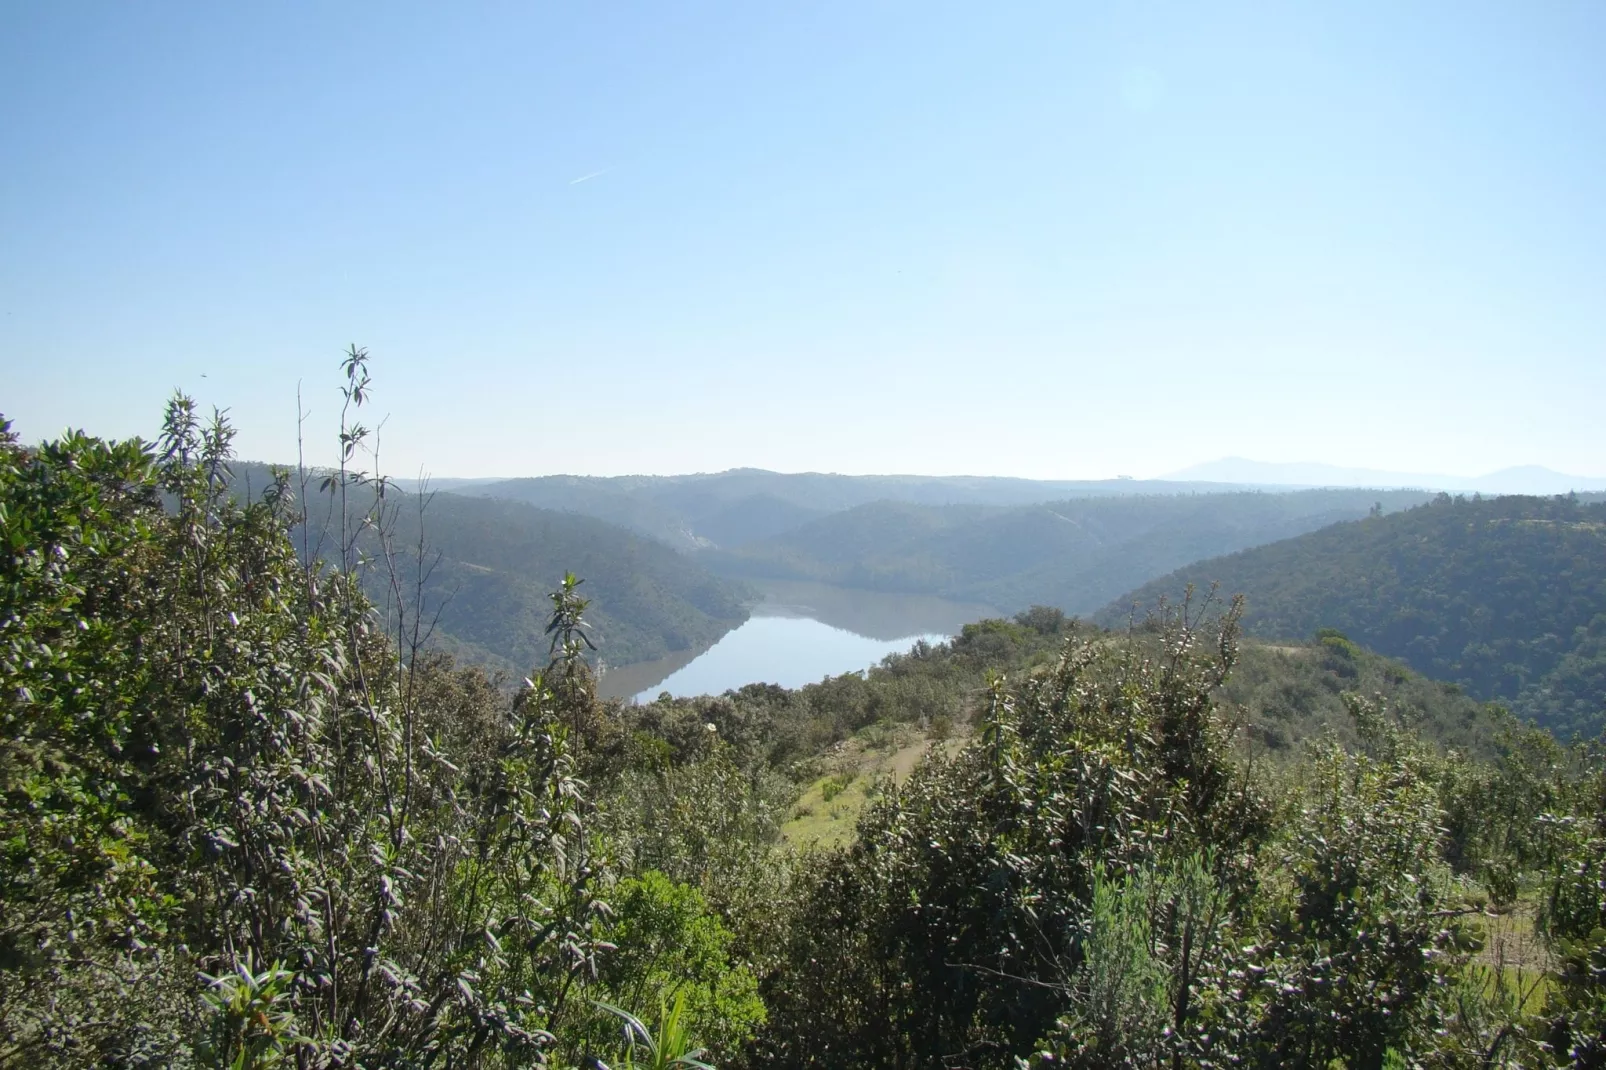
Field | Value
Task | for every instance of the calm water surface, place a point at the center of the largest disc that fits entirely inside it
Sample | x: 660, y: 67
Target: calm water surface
x: 799, y: 634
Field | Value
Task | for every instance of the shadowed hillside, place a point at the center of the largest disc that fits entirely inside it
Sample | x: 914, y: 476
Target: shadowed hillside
x: 499, y: 559
x: 490, y: 564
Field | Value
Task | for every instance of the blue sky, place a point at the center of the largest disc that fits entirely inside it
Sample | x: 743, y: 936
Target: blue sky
x: 1054, y: 240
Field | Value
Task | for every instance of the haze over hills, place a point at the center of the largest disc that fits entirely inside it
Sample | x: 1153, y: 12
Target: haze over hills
x: 1076, y: 554
x: 1505, y: 596
x: 458, y: 485
x: 1523, y: 479
x: 724, y: 509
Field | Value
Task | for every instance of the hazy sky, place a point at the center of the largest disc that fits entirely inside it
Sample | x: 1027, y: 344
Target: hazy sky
x: 1055, y: 239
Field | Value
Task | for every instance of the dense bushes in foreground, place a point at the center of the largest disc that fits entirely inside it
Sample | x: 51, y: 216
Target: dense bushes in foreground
x: 244, y: 821
x: 247, y: 820
x: 1096, y: 882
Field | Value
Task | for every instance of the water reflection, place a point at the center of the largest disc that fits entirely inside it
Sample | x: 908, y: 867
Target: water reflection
x: 869, y: 613
x: 798, y: 634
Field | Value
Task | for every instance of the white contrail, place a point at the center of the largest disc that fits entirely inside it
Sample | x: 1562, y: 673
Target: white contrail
x: 588, y: 178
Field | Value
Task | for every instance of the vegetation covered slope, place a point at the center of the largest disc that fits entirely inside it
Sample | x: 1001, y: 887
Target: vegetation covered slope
x: 1076, y: 554
x: 1503, y: 596
x: 497, y: 561
x: 245, y: 822
x: 490, y: 564
x: 1285, y: 694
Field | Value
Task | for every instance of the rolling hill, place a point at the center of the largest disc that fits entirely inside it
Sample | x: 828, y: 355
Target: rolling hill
x: 500, y: 559
x: 493, y: 563
x: 743, y: 505
x: 1075, y: 554
x: 1505, y: 597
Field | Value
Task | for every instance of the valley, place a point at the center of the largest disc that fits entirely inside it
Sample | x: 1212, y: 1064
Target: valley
x: 797, y: 633
x: 811, y: 579
x: 1035, y: 536
x: 862, y: 737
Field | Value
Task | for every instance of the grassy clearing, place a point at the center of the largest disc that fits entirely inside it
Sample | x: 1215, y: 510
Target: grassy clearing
x: 1511, y: 939
x: 827, y: 812
x: 1517, y: 960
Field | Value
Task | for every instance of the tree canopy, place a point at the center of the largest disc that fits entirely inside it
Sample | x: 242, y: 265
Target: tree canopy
x: 1505, y: 597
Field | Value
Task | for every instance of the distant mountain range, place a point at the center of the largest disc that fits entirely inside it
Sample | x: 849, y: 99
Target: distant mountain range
x: 1076, y: 554
x: 692, y: 496
x: 728, y: 509
x: 1526, y: 479
x: 452, y: 483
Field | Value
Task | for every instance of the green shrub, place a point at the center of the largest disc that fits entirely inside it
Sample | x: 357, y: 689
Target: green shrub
x: 835, y: 785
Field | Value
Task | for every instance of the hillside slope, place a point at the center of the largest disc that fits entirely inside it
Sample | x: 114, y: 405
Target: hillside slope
x: 492, y: 564
x: 1283, y: 695
x: 1506, y: 597
x: 500, y: 559
x: 1075, y: 554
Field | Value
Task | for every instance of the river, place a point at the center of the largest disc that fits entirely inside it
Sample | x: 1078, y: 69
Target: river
x: 798, y: 634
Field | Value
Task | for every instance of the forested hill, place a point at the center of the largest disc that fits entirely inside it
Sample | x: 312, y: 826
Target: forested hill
x: 727, y: 509
x: 498, y: 560
x: 1504, y: 596
x: 1075, y: 554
